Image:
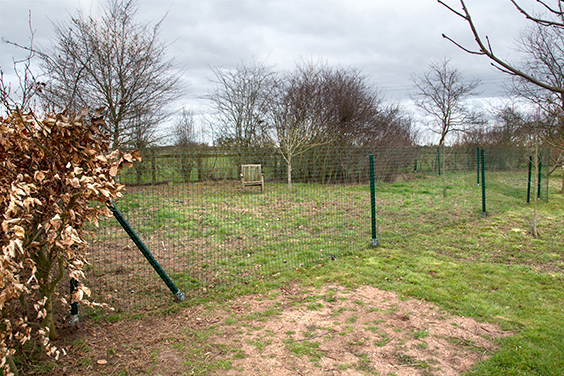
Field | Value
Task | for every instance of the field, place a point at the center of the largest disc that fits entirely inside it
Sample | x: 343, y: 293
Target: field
x: 286, y: 283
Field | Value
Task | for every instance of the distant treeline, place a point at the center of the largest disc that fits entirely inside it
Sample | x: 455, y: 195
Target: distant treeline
x: 323, y: 165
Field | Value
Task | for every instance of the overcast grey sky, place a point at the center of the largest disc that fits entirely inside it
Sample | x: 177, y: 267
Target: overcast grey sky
x: 388, y: 40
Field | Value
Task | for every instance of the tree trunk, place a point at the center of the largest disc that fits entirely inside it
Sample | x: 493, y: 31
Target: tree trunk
x: 185, y: 166
x: 47, y: 289
x: 48, y: 321
x: 289, y: 173
x: 12, y: 365
x: 200, y: 169
x: 139, y: 173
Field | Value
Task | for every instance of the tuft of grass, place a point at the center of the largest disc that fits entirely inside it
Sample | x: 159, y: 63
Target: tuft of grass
x: 305, y: 348
x: 352, y: 319
x: 420, y: 334
x: 260, y: 344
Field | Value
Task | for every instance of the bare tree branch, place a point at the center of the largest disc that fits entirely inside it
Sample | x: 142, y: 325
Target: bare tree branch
x: 498, y: 63
x: 28, y: 86
x: 552, y: 10
x: 441, y: 94
x: 540, y: 21
x: 110, y: 60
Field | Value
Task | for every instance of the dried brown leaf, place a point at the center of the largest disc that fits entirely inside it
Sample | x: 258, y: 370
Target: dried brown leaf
x: 39, y: 176
x: 114, y: 170
x: 136, y: 155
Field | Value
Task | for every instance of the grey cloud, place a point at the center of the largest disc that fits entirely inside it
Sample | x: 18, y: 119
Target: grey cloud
x: 388, y: 40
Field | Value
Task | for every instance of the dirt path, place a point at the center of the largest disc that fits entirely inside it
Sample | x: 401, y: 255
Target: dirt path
x: 298, y: 331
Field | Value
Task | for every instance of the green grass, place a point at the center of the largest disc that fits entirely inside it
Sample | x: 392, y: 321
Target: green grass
x: 420, y: 334
x: 304, y: 348
x: 433, y: 248
x: 484, y: 269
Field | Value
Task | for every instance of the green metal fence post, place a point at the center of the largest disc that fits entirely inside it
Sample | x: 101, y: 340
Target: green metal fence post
x: 478, y: 164
x: 539, y: 179
x: 129, y: 230
x: 74, y: 306
x: 373, y: 201
x: 483, y: 184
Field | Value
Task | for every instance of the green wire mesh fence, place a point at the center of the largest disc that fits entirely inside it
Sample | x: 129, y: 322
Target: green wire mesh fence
x: 209, y: 232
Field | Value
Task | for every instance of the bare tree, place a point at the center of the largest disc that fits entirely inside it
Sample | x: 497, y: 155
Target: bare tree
x: 540, y: 77
x: 513, y: 128
x: 441, y: 94
x: 185, y: 139
x: 509, y: 128
x: 298, y: 117
x: 555, y: 19
x: 348, y: 103
x: 390, y: 126
x: 241, y: 101
x: 544, y: 51
x: 21, y: 95
x: 297, y: 110
x: 319, y: 105
x: 111, y: 60
x: 355, y: 113
x: 185, y: 129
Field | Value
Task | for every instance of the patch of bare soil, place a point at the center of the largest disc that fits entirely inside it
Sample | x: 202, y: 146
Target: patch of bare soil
x: 298, y: 331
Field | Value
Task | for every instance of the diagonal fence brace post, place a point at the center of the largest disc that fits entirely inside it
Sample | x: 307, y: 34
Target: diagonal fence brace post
x: 123, y: 222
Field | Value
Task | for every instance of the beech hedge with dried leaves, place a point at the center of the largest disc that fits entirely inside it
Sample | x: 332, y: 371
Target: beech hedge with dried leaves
x: 56, y: 175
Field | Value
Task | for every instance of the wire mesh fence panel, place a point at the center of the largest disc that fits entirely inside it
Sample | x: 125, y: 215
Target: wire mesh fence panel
x: 511, y: 172
x: 208, y: 232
